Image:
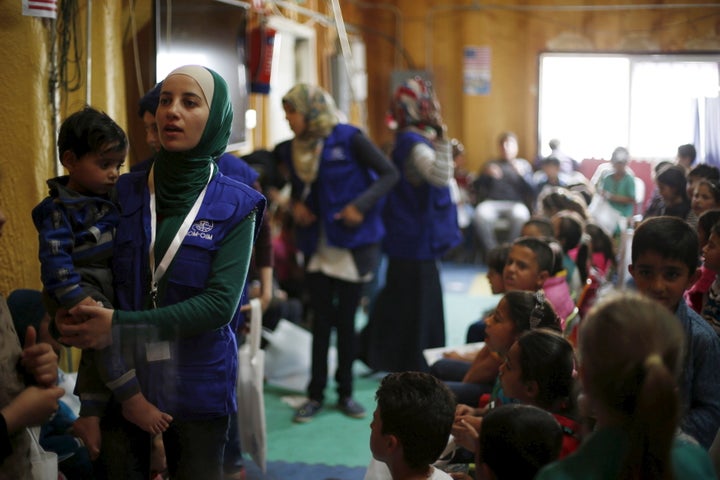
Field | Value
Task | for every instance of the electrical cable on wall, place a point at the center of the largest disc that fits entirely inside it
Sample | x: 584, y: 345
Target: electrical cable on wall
x: 136, y: 50
x: 69, y: 52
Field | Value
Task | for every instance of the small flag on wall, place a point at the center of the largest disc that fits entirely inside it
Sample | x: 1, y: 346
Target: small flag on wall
x: 40, y: 8
x: 476, y: 70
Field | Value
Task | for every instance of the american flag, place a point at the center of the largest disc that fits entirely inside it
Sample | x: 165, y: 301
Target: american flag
x: 40, y: 8
x: 476, y: 70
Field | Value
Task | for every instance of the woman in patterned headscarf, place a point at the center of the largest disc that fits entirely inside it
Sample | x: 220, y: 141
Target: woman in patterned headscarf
x: 181, y: 256
x: 338, y: 181
x: 421, y: 222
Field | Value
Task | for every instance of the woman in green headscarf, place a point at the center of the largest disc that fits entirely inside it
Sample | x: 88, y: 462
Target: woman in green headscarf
x: 181, y: 257
x: 338, y: 181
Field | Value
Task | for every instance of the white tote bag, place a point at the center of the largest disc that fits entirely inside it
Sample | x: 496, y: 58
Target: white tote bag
x: 604, y: 214
x: 44, y: 464
x: 250, y: 396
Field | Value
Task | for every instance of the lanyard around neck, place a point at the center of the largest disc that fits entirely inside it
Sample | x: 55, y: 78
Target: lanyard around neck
x: 157, y: 272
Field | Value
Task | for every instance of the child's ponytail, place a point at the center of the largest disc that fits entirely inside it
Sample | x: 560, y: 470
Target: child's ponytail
x: 653, y: 422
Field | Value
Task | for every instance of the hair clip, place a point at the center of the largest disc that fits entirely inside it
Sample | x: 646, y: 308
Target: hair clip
x: 538, y: 310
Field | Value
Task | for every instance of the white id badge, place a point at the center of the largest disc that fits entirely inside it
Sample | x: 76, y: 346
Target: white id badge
x: 157, y: 351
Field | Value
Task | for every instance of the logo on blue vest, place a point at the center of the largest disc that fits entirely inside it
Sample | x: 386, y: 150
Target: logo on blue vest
x: 202, y: 229
x: 337, y: 153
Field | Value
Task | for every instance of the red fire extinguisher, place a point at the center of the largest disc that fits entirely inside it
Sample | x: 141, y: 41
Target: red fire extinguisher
x: 261, y: 40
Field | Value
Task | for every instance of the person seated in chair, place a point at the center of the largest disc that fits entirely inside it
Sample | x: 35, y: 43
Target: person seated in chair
x: 504, y: 189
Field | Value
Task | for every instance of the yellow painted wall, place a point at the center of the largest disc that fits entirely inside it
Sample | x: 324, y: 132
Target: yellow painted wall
x: 434, y: 33
x: 27, y: 127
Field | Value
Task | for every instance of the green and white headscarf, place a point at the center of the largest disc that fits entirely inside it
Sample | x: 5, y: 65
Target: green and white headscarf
x: 181, y: 176
x: 318, y: 108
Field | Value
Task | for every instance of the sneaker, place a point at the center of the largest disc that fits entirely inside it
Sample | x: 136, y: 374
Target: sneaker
x: 306, y: 413
x: 351, y: 408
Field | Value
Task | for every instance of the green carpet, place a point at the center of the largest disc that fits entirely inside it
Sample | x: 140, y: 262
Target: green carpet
x: 334, y: 439
x: 331, y: 438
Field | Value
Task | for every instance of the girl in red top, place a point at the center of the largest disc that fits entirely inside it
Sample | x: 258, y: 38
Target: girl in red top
x: 538, y: 370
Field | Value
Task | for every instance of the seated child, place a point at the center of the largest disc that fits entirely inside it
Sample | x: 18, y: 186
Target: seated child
x: 664, y: 264
x: 672, y: 186
x: 697, y: 294
x: 454, y: 365
x: 631, y: 352
x: 694, y: 176
x: 557, y: 289
x: 516, y: 441
x: 569, y: 228
x: 706, y: 196
x: 602, y: 251
x: 496, y: 259
x: 533, y: 260
x: 517, y: 312
x: 711, y: 252
x: 538, y: 370
x: 528, y: 266
x: 411, y: 425
x: 76, y: 226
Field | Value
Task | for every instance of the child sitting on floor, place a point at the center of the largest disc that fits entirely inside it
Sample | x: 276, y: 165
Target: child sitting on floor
x: 696, y: 296
x: 664, y: 264
x: 711, y: 253
x: 411, y: 425
x: 631, y: 352
x: 516, y: 441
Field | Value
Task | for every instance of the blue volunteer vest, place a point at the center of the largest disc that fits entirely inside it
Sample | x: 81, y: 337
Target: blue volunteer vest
x: 340, y: 180
x: 421, y: 221
x: 199, y: 380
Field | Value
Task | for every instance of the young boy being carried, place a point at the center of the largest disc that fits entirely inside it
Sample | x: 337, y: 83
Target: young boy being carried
x: 76, y: 226
x: 411, y: 425
x: 665, y: 255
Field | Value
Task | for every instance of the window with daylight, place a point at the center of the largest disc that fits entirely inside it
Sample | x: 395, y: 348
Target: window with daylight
x: 648, y: 103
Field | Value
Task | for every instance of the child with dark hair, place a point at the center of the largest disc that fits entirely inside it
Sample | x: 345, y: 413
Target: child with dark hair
x: 700, y: 172
x: 559, y: 199
x: 532, y: 265
x: 516, y: 441
x: 569, y: 228
x: 411, y: 424
x: 686, y: 155
x: 672, y: 187
x: 711, y: 253
x: 517, y: 312
x: 706, y: 196
x: 529, y: 264
x: 538, y: 227
x: 454, y: 365
x: 549, y: 175
x: 557, y: 289
x: 631, y: 352
x: 539, y: 370
x: 696, y: 295
x: 496, y: 259
x: 655, y: 205
x: 76, y: 226
x: 664, y: 264
x: 602, y: 249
